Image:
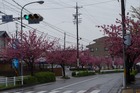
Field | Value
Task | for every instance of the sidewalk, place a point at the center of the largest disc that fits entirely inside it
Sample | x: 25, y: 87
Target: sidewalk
x: 133, y: 88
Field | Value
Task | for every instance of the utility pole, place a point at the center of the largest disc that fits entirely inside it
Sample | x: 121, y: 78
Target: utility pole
x: 124, y: 46
x: 77, y: 21
x: 64, y: 40
x: 16, y: 29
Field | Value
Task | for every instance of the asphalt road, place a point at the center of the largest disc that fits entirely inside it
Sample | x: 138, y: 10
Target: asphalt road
x: 105, y: 83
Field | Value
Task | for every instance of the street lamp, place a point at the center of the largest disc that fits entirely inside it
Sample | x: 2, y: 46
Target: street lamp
x: 40, y: 2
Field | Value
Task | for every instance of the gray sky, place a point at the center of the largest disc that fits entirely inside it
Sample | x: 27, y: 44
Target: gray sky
x: 58, y: 17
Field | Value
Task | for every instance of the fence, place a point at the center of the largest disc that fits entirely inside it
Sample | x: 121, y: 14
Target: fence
x: 11, y: 80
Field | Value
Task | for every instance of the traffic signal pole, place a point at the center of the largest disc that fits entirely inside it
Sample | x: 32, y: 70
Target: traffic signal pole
x: 40, y: 2
x: 125, y: 78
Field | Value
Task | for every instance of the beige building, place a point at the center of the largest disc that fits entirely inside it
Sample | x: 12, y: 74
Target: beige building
x: 98, y: 48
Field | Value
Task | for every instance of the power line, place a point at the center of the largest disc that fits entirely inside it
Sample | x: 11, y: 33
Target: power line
x: 53, y: 27
x: 99, y: 3
x: 50, y: 36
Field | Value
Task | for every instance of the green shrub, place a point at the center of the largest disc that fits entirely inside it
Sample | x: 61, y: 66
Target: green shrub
x: 91, y: 73
x: 44, y: 77
x: 132, y: 78
x: 73, y: 73
x: 82, y: 73
x: 30, y: 80
x: 111, y: 71
x: 133, y: 72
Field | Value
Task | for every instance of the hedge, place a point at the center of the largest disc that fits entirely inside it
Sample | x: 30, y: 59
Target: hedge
x: 40, y: 77
x: 82, y: 73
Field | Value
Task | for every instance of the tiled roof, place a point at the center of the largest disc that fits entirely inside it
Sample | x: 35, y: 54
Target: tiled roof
x: 3, y: 34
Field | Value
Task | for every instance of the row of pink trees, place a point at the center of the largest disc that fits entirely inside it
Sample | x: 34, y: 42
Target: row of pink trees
x: 34, y: 46
x: 115, y: 41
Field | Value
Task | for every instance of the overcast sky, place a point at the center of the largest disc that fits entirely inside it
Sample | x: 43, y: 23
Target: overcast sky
x: 58, y: 17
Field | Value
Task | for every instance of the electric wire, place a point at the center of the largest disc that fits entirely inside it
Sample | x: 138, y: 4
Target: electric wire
x: 98, y: 3
x: 62, y: 31
x: 54, y: 27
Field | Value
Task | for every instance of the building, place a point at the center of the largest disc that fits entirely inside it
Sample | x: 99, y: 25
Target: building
x: 3, y: 39
x: 3, y: 42
x: 5, y: 67
x: 99, y: 48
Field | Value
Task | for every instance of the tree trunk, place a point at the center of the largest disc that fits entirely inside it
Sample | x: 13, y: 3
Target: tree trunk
x: 32, y: 66
x: 63, y: 69
x: 99, y: 68
x: 127, y: 69
x: 52, y: 67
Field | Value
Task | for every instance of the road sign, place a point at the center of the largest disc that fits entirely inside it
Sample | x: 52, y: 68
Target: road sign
x: 15, y: 63
x: 7, y: 18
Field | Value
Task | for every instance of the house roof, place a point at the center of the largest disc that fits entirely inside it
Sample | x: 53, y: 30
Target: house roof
x: 100, y: 39
x: 3, y: 34
x: 97, y: 40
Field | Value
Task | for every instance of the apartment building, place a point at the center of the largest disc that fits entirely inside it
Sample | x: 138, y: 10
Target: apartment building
x: 99, y: 48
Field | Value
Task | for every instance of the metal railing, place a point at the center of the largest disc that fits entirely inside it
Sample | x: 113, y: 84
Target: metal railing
x: 6, y: 81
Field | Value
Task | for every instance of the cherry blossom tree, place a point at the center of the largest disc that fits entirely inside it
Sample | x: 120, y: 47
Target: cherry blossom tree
x: 118, y: 62
x: 115, y: 40
x: 85, y: 58
x: 98, y: 63
x: 108, y: 62
x: 62, y: 57
x: 29, y: 48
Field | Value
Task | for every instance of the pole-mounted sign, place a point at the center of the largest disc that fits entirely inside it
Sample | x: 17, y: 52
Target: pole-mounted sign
x: 7, y: 18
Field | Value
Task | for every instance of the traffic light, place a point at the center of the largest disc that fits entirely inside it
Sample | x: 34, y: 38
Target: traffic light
x: 26, y: 17
x: 127, y: 39
x: 33, y: 18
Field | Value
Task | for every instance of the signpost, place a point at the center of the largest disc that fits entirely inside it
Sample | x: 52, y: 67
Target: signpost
x: 7, y: 18
x: 15, y: 63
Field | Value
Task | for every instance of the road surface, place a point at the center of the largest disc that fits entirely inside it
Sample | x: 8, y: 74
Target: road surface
x: 105, y: 83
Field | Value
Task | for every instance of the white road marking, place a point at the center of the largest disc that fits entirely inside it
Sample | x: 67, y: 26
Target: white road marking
x: 42, y: 92
x: 75, y: 83
x: 95, y: 91
x: 54, y: 91
x: 69, y: 91
x: 29, y: 92
x: 82, y: 91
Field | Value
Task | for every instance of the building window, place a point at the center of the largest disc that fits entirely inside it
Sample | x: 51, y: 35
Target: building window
x: 92, y: 50
x: 96, y: 49
x: 106, y: 49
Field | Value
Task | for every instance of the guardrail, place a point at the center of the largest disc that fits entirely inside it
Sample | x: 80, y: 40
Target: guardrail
x: 11, y: 80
